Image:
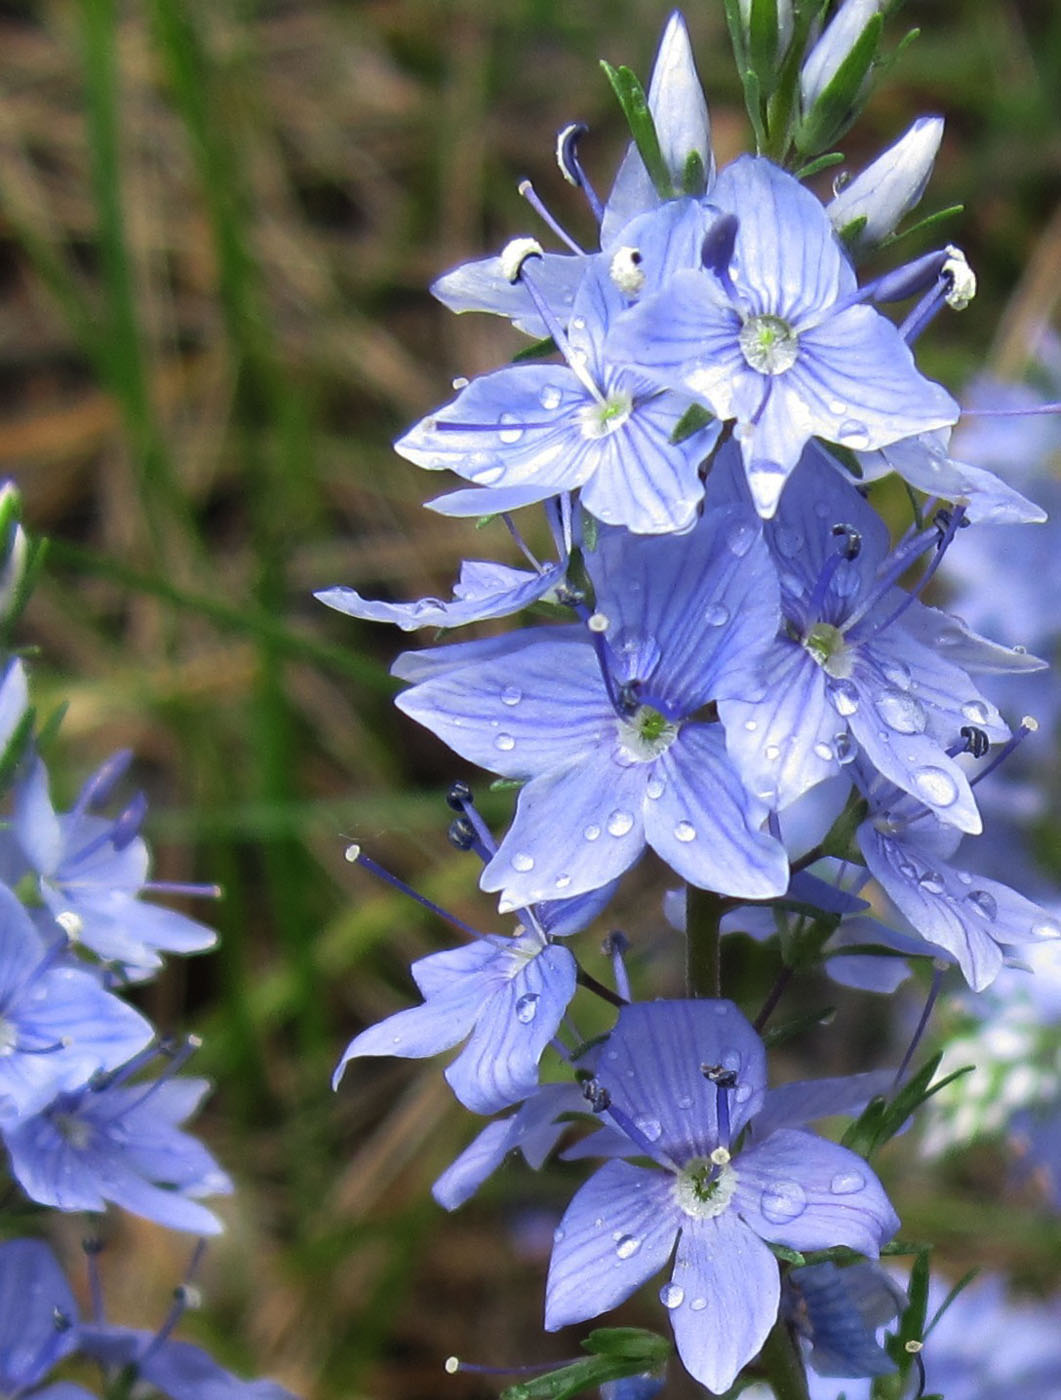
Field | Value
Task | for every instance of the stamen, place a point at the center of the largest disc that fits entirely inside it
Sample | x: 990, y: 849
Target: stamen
x: 92, y: 1247
x: 716, y: 254
x: 354, y: 853
x: 186, y: 1297
x: 102, y: 783
x: 974, y: 741
x: 530, y: 194
x: 960, y: 277
x: 626, y: 270
x: 513, y: 530
x: 1028, y: 725
x: 515, y: 253
x: 724, y: 1080
x: 952, y: 522
x: 460, y: 799
x: 571, y: 167
x: 852, y: 541
x: 127, y: 827
x: 600, y: 1100
x: 615, y: 947
x: 178, y: 887
x: 938, y: 969
x: 178, y: 1058
x: 903, y: 555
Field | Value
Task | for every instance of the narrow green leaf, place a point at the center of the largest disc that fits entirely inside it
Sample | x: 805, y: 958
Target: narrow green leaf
x: 634, y: 103
x: 777, y: 1035
x: 692, y: 420
x: 823, y: 162
x: 535, y: 351
x: 762, y: 43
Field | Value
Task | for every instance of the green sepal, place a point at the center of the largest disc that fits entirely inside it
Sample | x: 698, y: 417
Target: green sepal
x: 590, y: 531
x: 777, y: 1035
x: 839, y: 839
x: 506, y: 784
x: 535, y: 351
x: 694, y: 175
x: 912, y: 1321
x: 762, y: 44
x: 695, y: 417
x: 615, y: 1352
x: 929, y: 221
x: 839, y: 102
x: 16, y: 747
x: 484, y: 520
x: 786, y: 1255
x: 814, y: 167
x: 852, y: 232
x: 50, y: 728
x: 632, y: 99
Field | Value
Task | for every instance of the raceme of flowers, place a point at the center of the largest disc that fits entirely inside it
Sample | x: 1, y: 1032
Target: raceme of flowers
x: 736, y: 676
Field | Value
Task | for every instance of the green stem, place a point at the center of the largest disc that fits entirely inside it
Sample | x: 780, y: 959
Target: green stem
x: 783, y: 1366
x: 703, y: 951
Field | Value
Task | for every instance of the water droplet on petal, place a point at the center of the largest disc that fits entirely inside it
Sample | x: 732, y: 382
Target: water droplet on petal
x: 896, y: 674
x: 550, y: 397
x: 619, y: 823
x: 844, y: 697
x: 511, y: 696
x: 651, y: 1128
x: 685, y: 831
x: 742, y: 1093
x: 627, y: 1246
x: 591, y: 832
x: 559, y: 1234
x: 931, y: 882
x: 844, y: 748
x: 698, y: 1305
x: 783, y: 1201
x: 716, y: 615
x: 976, y: 712
x: 527, y: 1007
x: 824, y: 752
x: 655, y: 788
x: 672, y: 1295
x: 510, y: 435
x: 984, y: 903
x: 1046, y: 928
x: 901, y: 712
x: 936, y: 786
x: 522, y: 862
x: 845, y: 1183
x: 740, y: 539
x: 787, y: 540
x: 852, y: 433
x: 505, y: 743
x: 751, y: 725
x: 771, y: 753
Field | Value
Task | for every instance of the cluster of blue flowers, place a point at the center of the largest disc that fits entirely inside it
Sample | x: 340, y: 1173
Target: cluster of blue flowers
x: 92, y: 1103
x: 736, y: 677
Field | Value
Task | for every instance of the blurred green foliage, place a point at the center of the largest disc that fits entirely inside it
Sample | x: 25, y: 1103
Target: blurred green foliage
x: 217, y: 224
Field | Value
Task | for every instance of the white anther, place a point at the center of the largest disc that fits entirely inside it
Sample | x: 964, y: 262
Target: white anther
x: 913, y: 1347
x: 515, y: 254
x: 962, y: 278
x: 598, y: 623
x: 562, y: 139
x: 1030, y: 723
x: 451, y: 1365
x: 626, y: 270
x: 71, y: 924
x: 720, y: 1157
x: 352, y: 853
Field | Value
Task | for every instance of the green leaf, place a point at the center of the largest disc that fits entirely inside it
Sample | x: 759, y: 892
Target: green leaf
x: 694, y: 175
x: 630, y: 1343
x: 777, y: 1035
x: 16, y: 747
x: 962, y: 1284
x: 634, y: 103
x: 535, y: 351
x: 929, y: 221
x: 762, y: 43
x: 506, y: 784
x: 821, y: 163
x: 850, y: 233
x: 786, y: 1255
x: 838, y: 104
x: 692, y: 420
x: 616, y: 1352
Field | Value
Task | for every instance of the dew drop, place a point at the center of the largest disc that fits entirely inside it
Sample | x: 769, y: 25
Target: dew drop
x: 845, y: 1183
x: 751, y: 725
x: 527, y: 1008
x: 591, y: 832
x: 698, y: 1305
x: 559, y: 1234
x: 931, y: 882
x: 844, y: 698
x: 906, y: 870
x: 936, y: 786
x: 651, y: 1128
x: 562, y: 881
x: 488, y: 476
x: 522, y: 862
x: 716, y: 615
x: 896, y: 674
x: 844, y: 748
x: 742, y: 1093
x: 655, y: 788
x: 505, y: 743
x: 837, y: 406
x: 788, y: 541
x: 619, y: 823
x: 771, y: 753
x: 783, y: 1201
x: 627, y: 1246
x: 740, y: 540
x: 683, y: 1101
x: 685, y: 831
x: 976, y: 712
x: 550, y: 397
x: 511, y: 696
x: 672, y: 1295
x: 1046, y: 928
x: 984, y: 903
x: 901, y: 712
x: 852, y: 433
x: 824, y: 752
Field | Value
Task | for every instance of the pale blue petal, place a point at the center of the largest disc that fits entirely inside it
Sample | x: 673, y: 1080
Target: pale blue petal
x: 486, y: 590
x: 924, y: 462
x: 805, y: 1101
x: 617, y: 1232
x: 482, y: 286
x: 807, y: 1193
x: 730, y: 1289
x: 705, y: 823
x: 33, y: 1294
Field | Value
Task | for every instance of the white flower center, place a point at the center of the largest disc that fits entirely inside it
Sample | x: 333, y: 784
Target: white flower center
x: 600, y: 419
x: 827, y: 645
x: 703, y: 1189
x: 769, y: 344
x: 645, y: 735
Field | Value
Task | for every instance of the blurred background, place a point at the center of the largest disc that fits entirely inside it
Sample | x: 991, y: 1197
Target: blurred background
x: 218, y: 222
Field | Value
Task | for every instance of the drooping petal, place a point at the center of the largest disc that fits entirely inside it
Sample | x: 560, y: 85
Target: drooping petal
x: 617, y: 1232
x: 807, y: 1193
x: 702, y: 820
x: 481, y: 285
x: 728, y: 1287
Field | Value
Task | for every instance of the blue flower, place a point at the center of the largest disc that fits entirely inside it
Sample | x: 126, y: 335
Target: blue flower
x: 529, y: 432
x: 683, y: 1079
x: 853, y: 669
x: 838, y: 1311
x: 57, y: 1024
x: 507, y: 994
x: 770, y: 334
x: 113, y: 1141
x: 180, y: 1370
x: 94, y: 869
x: 605, y: 725
x: 37, y: 1313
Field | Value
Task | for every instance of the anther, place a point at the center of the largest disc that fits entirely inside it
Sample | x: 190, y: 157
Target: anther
x: 571, y: 167
x: 629, y: 697
x: 913, y: 1347
x: 959, y: 277
x: 976, y: 741
x: 720, y: 1156
x: 615, y: 944
x: 515, y: 254
x: 596, y: 1095
x: 462, y: 834
x: 451, y: 1365
x: 626, y: 270
x: 851, y: 546
x: 352, y: 853
x: 71, y: 924
x: 720, y: 1076
x: 598, y: 622
x: 458, y: 795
